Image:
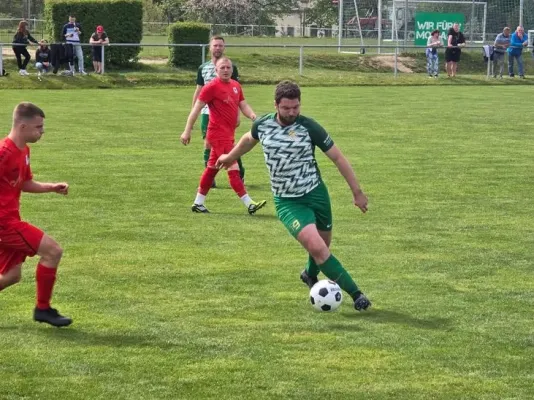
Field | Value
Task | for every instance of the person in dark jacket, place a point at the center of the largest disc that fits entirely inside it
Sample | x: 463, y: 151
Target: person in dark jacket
x: 22, y: 38
x: 42, y: 58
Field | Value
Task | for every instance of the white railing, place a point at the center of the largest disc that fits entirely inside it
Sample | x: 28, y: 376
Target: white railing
x: 395, y: 50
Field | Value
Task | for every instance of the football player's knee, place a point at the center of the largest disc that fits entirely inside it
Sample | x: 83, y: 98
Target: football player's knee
x: 318, y: 250
x: 54, y: 252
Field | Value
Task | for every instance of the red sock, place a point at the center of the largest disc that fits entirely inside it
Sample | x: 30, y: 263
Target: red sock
x: 45, y: 277
x: 206, y: 180
x: 237, y: 183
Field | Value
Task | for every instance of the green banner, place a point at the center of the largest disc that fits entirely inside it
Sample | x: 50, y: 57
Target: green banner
x: 426, y: 22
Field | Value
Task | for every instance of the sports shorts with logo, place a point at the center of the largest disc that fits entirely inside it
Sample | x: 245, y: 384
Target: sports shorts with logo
x: 312, y: 208
x: 18, y: 240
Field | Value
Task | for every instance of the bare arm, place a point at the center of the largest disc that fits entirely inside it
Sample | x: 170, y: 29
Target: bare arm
x: 247, y: 110
x: 32, y: 186
x: 344, y: 167
x: 195, y: 95
x: 193, y: 115
x: 245, y: 144
x: 449, y: 41
x: 93, y: 41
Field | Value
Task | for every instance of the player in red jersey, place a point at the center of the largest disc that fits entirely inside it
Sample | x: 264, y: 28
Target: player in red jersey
x: 225, y: 99
x: 19, y: 239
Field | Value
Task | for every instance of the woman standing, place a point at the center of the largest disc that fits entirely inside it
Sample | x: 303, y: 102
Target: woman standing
x: 22, y: 37
x: 432, y: 59
x: 455, y: 40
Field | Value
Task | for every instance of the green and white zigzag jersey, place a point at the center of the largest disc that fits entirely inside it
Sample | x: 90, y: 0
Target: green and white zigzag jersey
x: 289, y: 153
x: 206, y: 73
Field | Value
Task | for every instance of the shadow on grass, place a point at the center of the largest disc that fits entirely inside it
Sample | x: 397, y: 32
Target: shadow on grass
x: 74, y: 335
x: 386, y: 317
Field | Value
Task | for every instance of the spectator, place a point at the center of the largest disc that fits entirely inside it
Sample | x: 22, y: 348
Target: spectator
x: 42, y: 58
x: 98, y: 39
x: 72, y: 32
x: 502, y: 42
x: 22, y: 37
x: 518, y: 40
x: 432, y: 59
x: 455, y: 40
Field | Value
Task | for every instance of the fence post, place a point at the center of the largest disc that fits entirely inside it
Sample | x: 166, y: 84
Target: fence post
x: 103, y: 61
x: 301, y: 60
x: 1, y: 60
x: 203, y: 53
x: 396, y: 54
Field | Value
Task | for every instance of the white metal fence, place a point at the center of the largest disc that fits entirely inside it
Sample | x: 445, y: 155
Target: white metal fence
x: 393, y: 52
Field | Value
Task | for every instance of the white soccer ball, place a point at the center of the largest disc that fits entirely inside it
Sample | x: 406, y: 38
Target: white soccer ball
x: 326, y: 295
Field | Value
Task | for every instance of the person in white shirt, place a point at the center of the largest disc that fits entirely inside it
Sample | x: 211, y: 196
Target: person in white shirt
x: 432, y: 59
x: 72, y: 32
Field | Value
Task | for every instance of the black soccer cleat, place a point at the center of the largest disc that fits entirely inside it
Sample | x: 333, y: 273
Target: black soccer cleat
x: 308, y: 280
x: 51, y: 316
x: 361, y: 303
x: 199, y: 208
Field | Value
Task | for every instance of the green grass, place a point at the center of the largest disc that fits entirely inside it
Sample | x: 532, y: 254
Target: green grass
x: 168, y: 304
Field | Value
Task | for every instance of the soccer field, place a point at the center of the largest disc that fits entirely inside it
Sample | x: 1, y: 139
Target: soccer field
x: 175, y: 305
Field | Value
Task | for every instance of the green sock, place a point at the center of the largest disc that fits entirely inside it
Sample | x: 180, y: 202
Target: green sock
x: 241, y: 168
x: 206, y: 156
x: 311, y: 268
x: 334, y: 271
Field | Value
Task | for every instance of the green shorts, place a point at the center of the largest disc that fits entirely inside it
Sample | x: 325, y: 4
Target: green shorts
x: 312, y: 208
x: 204, y: 121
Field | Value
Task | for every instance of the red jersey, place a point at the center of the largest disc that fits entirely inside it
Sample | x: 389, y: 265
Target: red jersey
x: 223, y: 100
x: 14, y: 171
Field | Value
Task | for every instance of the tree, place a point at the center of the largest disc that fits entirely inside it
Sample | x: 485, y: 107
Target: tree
x: 246, y: 12
x: 322, y: 13
x: 172, y: 10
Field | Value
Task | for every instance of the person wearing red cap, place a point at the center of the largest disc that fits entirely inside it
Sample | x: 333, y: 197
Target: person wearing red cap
x: 98, y: 39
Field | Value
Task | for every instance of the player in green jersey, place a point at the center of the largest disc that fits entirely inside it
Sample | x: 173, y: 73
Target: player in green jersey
x: 302, y: 202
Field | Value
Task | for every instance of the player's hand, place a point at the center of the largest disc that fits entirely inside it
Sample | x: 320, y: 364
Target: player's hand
x: 253, y: 117
x: 61, y: 188
x: 360, y: 201
x: 224, y: 162
x: 185, y: 138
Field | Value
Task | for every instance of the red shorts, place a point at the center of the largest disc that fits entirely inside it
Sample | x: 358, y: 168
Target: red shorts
x: 18, y: 240
x: 217, y: 150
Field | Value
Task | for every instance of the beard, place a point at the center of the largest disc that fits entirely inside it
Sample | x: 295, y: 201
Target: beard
x: 217, y: 54
x: 287, y: 120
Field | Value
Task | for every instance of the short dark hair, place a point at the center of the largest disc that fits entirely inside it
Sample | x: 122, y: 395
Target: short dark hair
x: 216, y: 38
x: 25, y: 111
x: 434, y: 31
x: 286, y: 90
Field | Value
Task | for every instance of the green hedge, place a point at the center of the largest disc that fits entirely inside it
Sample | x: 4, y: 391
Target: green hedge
x: 122, y: 20
x: 190, y: 33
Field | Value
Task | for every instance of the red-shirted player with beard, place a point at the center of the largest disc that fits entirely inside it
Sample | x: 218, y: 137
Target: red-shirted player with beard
x: 19, y: 239
x: 225, y: 99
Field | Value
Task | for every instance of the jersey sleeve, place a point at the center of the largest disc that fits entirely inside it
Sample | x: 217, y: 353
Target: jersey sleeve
x: 319, y: 136
x: 241, y: 94
x: 235, y: 74
x: 200, y: 78
x: 254, y: 129
x: 206, y: 94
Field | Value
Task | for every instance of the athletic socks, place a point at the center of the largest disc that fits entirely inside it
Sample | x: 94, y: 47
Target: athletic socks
x: 45, y: 277
x: 334, y: 271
